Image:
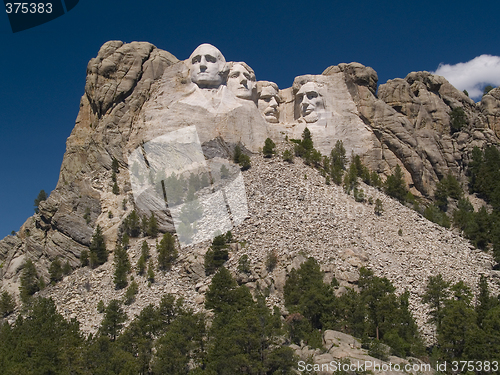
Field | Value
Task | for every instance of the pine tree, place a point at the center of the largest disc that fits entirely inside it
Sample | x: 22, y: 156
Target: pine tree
x: 305, y: 293
x: 244, y: 264
x: 141, y: 265
x: 125, y: 240
x: 151, y: 272
x: 7, y: 304
x: 98, y: 252
x: 41, y: 343
x: 131, y: 292
x: 114, y: 318
x: 29, y: 281
x: 436, y: 292
x: 375, y: 180
x: 122, y: 267
x: 458, y: 323
x: 152, y: 226
x: 182, y: 346
x: 167, y: 253
x: 237, y: 153
x: 42, y: 196
x: 395, y: 185
x: 458, y: 119
x: 217, y: 255
x: 351, y: 179
x: 307, y: 142
x: 84, y: 258
x: 145, y: 250
x: 66, y: 270
x: 132, y: 225
x: 55, y: 271
x: 338, y: 161
x: 224, y: 294
x: 115, y: 165
x: 116, y: 189
x: 485, y: 302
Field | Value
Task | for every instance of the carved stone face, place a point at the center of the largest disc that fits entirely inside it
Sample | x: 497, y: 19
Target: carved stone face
x: 310, y: 102
x: 268, y: 104
x: 206, y: 66
x: 241, y: 82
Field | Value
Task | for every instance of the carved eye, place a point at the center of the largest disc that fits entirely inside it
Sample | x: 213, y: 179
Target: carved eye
x: 234, y: 74
x: 312, y: 95
x: 196, y: 59
x: 210, y: 59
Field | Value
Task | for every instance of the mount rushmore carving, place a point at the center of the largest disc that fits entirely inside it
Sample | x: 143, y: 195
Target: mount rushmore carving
x: 135, y: 93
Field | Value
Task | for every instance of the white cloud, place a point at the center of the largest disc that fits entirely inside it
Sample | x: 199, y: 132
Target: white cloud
x: 472, y: 75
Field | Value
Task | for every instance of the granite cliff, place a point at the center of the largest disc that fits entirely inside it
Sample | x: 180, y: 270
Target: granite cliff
x: 135, y: 93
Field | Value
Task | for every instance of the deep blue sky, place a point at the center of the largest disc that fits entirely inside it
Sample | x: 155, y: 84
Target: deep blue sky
x: 43, y: 69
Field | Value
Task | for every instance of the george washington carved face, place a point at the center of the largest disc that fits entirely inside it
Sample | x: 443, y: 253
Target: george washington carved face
x: 207, y: 66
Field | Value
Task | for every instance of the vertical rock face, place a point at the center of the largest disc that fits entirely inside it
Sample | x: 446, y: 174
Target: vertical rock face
x: 118, y: 83
x: 426, y: 101
x: 490, y: 108
x: 135, y: 93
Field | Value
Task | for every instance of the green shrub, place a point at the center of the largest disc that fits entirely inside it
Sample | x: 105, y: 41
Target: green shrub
x: 244, y: 264
x: 395, y: 185
x: 271, y: 261
x: 268, y: 148
x: 458, y: 119
x: 287, y: 156
x: 244, y: 162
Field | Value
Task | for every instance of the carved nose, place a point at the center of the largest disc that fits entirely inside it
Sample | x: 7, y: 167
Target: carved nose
x: 203, y: 63
x: 273, y: 103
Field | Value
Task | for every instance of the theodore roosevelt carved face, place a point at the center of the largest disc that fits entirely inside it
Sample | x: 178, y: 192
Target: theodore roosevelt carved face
x: 310, y: 102
x: 207, y: 66
x: 241, y: 81
x: 269, y: 100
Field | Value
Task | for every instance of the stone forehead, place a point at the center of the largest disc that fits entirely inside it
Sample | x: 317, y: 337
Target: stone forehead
x: 308, y: 87
x: 261, y: 85
x: 208, y: 49
x: 233, y: 65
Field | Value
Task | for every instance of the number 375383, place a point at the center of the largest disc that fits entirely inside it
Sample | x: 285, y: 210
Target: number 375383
x: 28, y: 7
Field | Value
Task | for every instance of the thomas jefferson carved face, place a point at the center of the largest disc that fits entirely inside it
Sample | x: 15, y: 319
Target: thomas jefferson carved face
x: 206, y: 66
x: 241, y: 81
x: 310, y: 102
x: 268, y: 103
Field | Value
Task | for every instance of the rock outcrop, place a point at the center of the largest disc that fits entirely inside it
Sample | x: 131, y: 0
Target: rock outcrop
x: 344, y: 353
x: 490, y: 108
x: 135, y: 93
